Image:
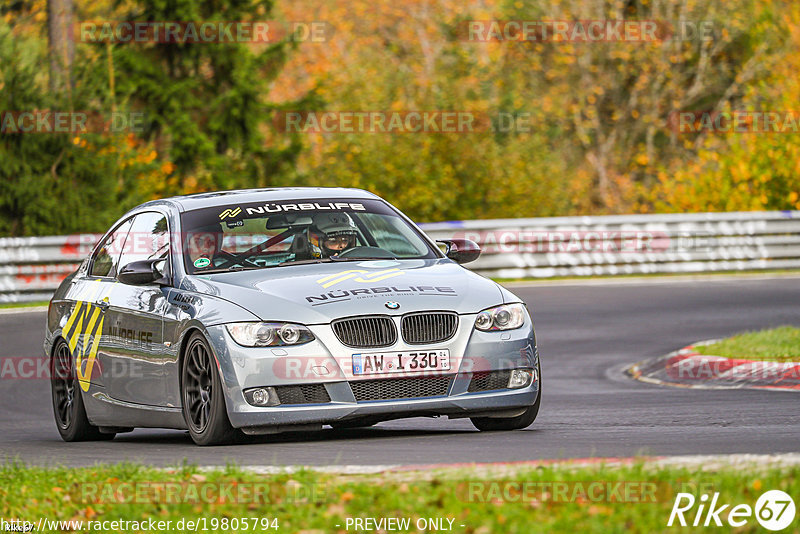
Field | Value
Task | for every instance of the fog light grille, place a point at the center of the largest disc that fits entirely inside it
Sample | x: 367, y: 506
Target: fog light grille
x: 306, y: 394
x: 489, y: 380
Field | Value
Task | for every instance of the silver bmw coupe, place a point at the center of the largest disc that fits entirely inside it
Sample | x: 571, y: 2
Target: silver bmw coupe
x: 270, y: 310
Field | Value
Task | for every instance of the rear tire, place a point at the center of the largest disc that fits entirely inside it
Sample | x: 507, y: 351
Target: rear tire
x: 202, y: 396
x: 68, y: 408
x: 524, y: 420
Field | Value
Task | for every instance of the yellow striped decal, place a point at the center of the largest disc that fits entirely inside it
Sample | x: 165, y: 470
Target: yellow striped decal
x: 82, y: 332
x: 375, y: 276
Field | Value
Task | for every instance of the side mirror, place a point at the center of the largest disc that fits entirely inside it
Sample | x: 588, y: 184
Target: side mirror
x: 140, y: 273
x: 461, y: 250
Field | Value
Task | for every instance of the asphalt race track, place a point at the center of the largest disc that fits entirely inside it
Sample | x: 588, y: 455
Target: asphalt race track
x: 586, y: 334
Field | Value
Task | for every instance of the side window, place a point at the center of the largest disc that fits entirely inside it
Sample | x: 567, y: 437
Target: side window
x: 106, y: 260
x: 148, y: 239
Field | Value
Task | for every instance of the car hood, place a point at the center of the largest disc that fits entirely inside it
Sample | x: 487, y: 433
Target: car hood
x: 319, y: 293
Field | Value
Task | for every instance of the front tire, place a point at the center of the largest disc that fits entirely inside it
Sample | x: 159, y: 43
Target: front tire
x: 524, y: 420
x: 202, y: 395
x: 68, y: 409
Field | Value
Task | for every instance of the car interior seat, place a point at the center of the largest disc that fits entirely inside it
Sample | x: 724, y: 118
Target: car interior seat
x: 300, y: 248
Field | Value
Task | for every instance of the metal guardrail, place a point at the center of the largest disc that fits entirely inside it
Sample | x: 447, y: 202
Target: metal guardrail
x: 631, y: 244
x: 32, y: 267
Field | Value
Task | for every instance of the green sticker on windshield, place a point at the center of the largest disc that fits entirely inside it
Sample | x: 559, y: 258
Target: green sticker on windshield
x: 202, y: 262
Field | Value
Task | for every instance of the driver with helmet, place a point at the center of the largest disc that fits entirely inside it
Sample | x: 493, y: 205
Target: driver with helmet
x: 331, y: 233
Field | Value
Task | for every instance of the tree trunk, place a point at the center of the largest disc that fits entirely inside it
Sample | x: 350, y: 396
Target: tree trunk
x: 60, y: 31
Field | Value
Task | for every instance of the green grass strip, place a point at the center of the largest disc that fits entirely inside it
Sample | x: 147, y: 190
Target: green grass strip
x: 780, y: 344
x: 628, y: 499
x: 4, y: 305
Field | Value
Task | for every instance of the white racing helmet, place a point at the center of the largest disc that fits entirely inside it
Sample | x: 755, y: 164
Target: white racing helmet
x: 331, y: 233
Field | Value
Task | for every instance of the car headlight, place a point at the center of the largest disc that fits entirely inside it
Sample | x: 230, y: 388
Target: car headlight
x: 505, y: 317
x: 269, y: 334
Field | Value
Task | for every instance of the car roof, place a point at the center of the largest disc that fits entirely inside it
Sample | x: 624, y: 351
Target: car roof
x: 244, y: 196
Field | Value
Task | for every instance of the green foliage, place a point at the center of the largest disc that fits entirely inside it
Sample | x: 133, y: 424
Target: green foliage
x: 207, y: 101
x: 50, y: 184
x: 598, y: 141
x: 205, y: 121
x: 597, y: 138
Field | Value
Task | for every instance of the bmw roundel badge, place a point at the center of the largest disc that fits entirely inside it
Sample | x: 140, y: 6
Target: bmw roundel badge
x: 392, y: 305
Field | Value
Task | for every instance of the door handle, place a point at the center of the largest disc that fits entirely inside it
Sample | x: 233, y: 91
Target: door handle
x: 103, y: 304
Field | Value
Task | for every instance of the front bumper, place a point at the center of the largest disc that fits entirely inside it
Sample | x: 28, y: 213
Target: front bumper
x: 325, y: 362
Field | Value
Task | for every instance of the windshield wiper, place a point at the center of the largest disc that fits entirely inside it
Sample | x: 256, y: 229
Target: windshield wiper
x: 304, y: 262
x: 231, y: 269
x: 361, y: 258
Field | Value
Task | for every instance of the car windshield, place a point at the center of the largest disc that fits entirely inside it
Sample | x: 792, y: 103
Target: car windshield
x: 280, y: 233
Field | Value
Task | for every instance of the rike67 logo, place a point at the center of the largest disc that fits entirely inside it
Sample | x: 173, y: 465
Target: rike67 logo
x: 774, y: 511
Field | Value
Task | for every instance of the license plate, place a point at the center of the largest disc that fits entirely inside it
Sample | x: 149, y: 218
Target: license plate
x: 380, y: 363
